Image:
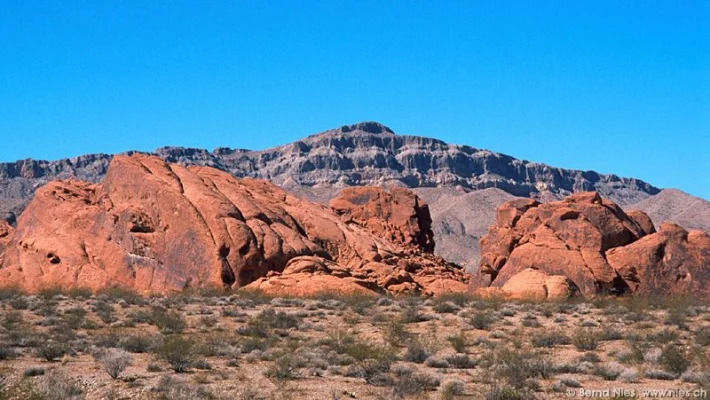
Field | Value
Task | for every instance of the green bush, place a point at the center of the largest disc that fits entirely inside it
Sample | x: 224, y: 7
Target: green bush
x: 137, y: 343
x: 482, y: 320
x: 178, y: 352
x: 168, y: 321
x: 458, y: 342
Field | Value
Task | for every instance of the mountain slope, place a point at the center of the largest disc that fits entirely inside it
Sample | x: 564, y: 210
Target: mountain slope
x: 365, y: 153
x: 672, y: 205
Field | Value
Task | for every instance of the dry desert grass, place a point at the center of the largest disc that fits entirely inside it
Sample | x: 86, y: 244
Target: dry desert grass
x: 244, y: 345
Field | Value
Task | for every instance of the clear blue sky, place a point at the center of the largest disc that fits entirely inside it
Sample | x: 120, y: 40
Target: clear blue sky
x: 614, y: 86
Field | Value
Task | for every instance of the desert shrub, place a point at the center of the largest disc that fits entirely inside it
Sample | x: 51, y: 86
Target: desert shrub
x: 19, y: 303
x: 168, y: 321
x: 416, y: 352
x: 458, y: 342
x: 25, y: 337
x: 12, y: 320
x: 50, y: 292
x: 137, y: 343
x: 609, y: 371
x: 585, y: 340
x: 702, y: 336
x: 50, y: 351
x: 338, y: 339
x: 396, y: 333
x: 110, y: 338
x: 140, y: 316
x: 451, y: 388
x: 550, y: 339
x: 359, y: 303
x: 482, y: 320
x: 115, y: 294
x: 674, y: 360
x: 114, y: 362
x: 80, y: 293
x: 370, y: 360
x: 202, y: 364
x: 282, y: 369
x: 33, y: 371
x: 445, y: 307
x: 660, y: 375
x: 75, y: 317
x: 411, y: 312
x: 590, y: 357
x: 54, y: 385
x: 461, y: 361
x: 178, y: 352
x: 210, y: 345
x: 153, y: 368
x: 255, y: 343
x: 408, y: 383
x: 267, y: 320
x: 610, y: 334
x: 105, y: 312
x: 208, y: 321
x: 517, y: 368
x: 10, y: 292
x: 677, y: 318
x: 6, y: 351
x: 502, y: 392
x: 663, y: 336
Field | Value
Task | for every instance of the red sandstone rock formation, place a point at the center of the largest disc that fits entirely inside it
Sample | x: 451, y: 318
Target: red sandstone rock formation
x: 672, y: 261
x: 586, y: 244
x: 157, y: 227
x: 6, y: 232
x: 399, y: 216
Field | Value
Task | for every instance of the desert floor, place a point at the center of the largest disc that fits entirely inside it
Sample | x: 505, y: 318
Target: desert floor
x: 245, y: 345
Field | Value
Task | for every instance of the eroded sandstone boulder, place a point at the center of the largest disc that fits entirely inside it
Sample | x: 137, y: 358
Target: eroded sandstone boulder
x: 398, y: 215
x: 156, y: 227
x: 532, y: 284
x: 586, y: 244
x: 671, y: 261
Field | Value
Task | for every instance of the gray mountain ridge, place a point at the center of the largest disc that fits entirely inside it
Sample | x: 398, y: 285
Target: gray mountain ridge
x: 366, y: 153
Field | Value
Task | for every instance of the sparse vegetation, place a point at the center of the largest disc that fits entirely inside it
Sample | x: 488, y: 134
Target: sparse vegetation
x: 396, y: 347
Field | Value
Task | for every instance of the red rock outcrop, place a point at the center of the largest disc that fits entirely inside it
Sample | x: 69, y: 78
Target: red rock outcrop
x: 586, y: 244
x: 672, y: 261
x: 156, y: 227
x: 399, y: 216
x: 6, y: 232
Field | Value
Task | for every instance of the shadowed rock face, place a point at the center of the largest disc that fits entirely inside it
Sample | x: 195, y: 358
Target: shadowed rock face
x: 589, y: 245
x: 156, y: 227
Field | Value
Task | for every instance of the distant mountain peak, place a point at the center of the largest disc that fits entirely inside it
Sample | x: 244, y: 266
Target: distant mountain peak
x: 367, y: 127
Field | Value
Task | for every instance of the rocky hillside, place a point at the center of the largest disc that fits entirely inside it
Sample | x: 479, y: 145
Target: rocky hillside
x: 676, y: 206
x: 362, y: 154
x: 157, y: 227
x: 463, y: 184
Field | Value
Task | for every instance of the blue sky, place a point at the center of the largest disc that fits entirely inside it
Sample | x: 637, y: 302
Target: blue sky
x: 620, y: 87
